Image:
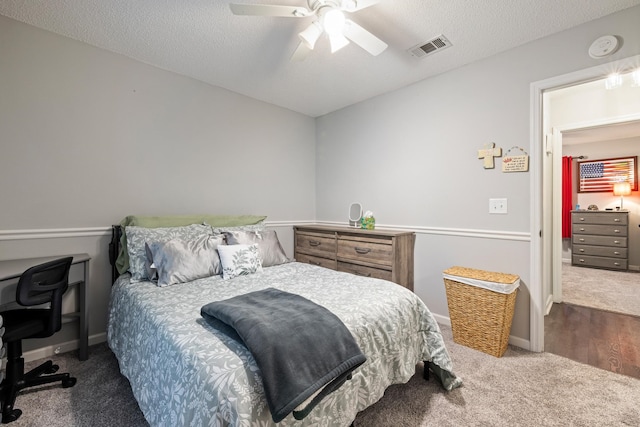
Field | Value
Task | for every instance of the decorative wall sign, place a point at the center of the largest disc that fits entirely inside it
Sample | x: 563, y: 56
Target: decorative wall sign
x: 598, y: 176
x: 488, y: 153
x: 519, y: 163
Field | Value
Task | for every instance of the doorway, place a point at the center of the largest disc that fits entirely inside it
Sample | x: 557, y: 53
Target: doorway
x: 543, y: 227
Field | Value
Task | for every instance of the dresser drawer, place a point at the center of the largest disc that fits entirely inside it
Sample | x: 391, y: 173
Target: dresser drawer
x: 593, y: 261
x: 604, y: 230
x: 604, y: 218
x: 361, y: 270
x: 583, y: 239
x: 315, y: 260
x: 605, y: 251
x: 366, y: 251
x: 316, y: 244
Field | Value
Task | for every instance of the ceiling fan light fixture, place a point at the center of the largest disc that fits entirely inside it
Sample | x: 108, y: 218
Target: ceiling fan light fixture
x: 333, y: 21
x: 337, y: 41
x: 311, y: 34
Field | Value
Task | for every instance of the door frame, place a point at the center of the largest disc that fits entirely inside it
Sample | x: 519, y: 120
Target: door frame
x: 541, y: 256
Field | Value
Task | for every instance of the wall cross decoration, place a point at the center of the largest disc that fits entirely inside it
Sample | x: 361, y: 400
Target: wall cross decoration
x: 488, y: 153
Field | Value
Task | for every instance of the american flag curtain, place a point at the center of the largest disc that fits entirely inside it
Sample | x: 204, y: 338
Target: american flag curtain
x: 600, y: 175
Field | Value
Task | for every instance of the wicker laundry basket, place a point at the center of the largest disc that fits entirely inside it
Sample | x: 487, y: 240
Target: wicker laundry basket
x: 481, y: 305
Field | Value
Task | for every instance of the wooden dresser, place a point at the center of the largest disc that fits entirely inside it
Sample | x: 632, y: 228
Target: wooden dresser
x: 600, y: 239
x: 383, y: 254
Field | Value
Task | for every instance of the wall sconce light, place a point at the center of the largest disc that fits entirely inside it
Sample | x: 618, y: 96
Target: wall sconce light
x: 622, y: 189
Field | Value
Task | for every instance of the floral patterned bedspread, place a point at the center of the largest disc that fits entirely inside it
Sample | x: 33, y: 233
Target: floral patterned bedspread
x: 183, y: 372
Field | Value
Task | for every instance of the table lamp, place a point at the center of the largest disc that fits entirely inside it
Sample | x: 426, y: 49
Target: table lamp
x: 621, y: 189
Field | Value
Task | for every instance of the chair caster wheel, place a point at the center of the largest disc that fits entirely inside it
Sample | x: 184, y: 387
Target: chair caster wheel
x: 68, y: 382
x: 11, y: 416
x: 52, y: 370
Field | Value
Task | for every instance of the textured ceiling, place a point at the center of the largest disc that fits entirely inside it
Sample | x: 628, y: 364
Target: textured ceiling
x: 250, y: 55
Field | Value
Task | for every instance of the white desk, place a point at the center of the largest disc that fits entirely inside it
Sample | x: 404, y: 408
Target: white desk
x: 13, y: 269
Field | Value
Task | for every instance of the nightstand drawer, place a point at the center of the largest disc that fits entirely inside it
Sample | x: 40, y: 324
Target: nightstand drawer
x: 316, y: 244
x: 603, y: 230
x: 583, y: 239
x: 361, y: 270
x: 373, y: 252
x: 593, y: 261
x: 604, y: 251
x: 314, y: 260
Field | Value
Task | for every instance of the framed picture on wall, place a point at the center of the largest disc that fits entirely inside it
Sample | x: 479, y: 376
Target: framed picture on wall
x: 598, y: 176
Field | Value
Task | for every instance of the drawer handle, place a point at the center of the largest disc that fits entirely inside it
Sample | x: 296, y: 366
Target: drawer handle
x: 582, y: 229
x: 362, y: 251
x: 616, y: 220
x: 582, y: 240
x: 616, y: 231
x: 616, y: 253
x: 616, y: 242
x: 314, y: 243
x: 617, y: 264
x: 363, y: 274
x: 313, y: 262
x: 581, y: 260
x: 581, y: 219
x: 581, y: 250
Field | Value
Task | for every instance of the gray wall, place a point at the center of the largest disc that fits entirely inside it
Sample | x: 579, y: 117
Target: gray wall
x: 88, y: 137
x: 410, y: 156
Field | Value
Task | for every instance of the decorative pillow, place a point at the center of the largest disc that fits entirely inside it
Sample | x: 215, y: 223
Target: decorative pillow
x: 269, y: 247
x: 179, y: 261
x: 138, y: 236
x: 239, y: 260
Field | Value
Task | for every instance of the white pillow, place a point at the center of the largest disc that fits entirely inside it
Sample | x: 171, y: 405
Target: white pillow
x: 269, y: 247
x: 239, y: 260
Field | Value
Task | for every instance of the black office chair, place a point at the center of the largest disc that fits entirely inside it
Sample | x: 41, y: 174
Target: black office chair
x: 41, y: 284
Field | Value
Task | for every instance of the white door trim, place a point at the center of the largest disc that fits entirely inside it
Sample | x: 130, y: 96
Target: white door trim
x: 539, y: 237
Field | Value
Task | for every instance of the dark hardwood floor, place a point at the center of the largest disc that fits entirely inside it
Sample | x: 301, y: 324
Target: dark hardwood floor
x: 598, y: 338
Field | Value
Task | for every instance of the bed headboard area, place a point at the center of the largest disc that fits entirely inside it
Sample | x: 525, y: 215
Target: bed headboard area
x: 118, y: 255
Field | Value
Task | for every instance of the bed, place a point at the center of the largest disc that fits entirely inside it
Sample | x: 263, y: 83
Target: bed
x: 184, y: 371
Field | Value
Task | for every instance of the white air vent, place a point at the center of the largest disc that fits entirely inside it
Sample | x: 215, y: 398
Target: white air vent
x: 434, y: 45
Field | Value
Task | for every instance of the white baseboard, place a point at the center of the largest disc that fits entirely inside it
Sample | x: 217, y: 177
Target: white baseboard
x: 41, y: 353
x: 548, y: 305
x: 515, y: 341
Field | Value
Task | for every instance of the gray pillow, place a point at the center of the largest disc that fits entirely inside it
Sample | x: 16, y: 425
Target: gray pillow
x: 269, y: 247
x: 250, y: 227
x: 179, y: 261
x: 138, y: 236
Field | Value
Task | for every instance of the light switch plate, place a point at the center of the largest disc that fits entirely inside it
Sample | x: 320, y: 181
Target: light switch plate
x: 497, y: 206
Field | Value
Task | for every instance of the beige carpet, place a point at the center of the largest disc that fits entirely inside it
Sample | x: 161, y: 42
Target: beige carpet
x: 617, y: 291
x: 519, y: 389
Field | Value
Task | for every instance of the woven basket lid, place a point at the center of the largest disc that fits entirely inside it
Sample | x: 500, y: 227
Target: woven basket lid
x: 489, y: 276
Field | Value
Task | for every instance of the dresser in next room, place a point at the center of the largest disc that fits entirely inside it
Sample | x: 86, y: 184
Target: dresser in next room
x: 600, y: 239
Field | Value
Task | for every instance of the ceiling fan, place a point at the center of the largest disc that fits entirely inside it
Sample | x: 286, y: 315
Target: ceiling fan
x: 329, y: 18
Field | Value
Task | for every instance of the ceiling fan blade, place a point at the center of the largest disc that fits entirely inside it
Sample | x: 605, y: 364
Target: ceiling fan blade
x: 269, y: 10
x: 355, y: 5
x: 301, y: 52
x: 364, y: 38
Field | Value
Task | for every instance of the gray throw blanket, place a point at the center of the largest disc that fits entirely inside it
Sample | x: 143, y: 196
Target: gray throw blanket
x: 303, y: 351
